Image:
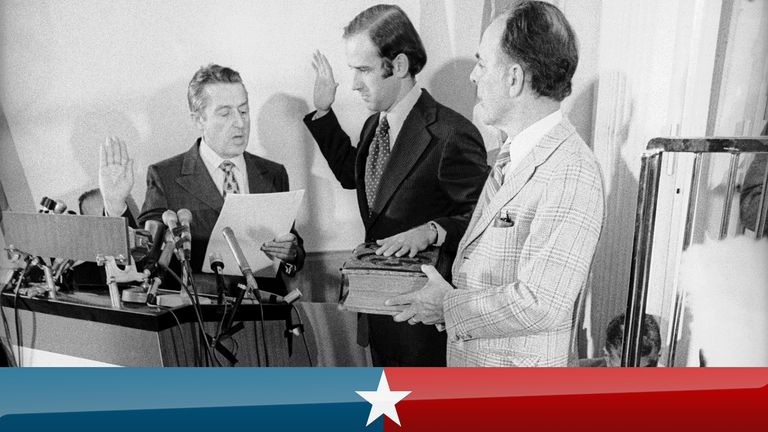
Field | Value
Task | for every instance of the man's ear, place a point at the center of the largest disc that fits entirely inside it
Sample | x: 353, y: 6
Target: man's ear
x: 197, y: 120
x: 515, y: 79
x: 400, y: 65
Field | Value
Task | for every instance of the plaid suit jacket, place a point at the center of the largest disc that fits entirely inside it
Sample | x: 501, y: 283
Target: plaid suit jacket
x: 516, y: 285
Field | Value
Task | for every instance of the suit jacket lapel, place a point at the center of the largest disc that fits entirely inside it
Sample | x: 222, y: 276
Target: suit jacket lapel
x: 519, y: 178
x: 257, y: 181
x: 411, y: 142
x: 196, y: 180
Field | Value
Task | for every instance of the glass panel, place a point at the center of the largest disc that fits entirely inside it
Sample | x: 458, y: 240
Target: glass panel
x: 708, y: 279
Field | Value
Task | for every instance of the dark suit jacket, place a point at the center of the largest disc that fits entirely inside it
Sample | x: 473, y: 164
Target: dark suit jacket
x: 436, y: 172
x: 183, y: 181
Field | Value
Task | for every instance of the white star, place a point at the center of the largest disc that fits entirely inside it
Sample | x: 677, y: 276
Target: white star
x: 383, y: 401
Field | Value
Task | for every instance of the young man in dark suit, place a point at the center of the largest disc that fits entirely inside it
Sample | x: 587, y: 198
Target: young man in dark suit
x: 418, y: 168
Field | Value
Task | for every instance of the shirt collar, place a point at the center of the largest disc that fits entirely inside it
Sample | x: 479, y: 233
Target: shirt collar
x: 399, y: 112
x: 525, y: 141
x: 535, y: 132
x: 212, y: 160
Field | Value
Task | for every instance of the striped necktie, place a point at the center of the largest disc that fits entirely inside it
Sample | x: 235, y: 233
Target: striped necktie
x: 230, y: 181
x: 496, y: 179
x: 378, y: 155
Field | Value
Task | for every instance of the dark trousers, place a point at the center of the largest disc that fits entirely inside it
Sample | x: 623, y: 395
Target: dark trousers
x: 402, y: 344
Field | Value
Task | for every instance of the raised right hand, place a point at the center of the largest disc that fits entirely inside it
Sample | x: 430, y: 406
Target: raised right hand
x: 325, y: 85
x: 115, y: 174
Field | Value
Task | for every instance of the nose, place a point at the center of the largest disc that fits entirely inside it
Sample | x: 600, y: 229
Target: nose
x: 473, y: 75
x: 357, y: 82
x: 239, y: 119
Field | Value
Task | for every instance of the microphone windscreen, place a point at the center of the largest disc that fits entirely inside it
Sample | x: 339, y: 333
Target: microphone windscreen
x: 185, y: 216
x: 170, y: 219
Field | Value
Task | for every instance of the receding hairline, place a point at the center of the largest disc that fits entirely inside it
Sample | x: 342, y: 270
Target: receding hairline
x: 207, y: 95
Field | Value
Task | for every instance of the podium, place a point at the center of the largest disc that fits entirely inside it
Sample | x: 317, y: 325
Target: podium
x: 82, y: 329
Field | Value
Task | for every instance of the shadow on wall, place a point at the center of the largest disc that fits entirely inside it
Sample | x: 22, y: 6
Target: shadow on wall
x: 89, y: 130
x: 17, y: 193
x: 286, y: 140
x: 583, y: 115
x: 160, y: 130
x: 451, y: 87
x: 609, y: 294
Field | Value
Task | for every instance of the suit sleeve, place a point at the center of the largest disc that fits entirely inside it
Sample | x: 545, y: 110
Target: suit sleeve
x: 128, y: 215
x: 553, y: 264
x: 335, y: 146
x: 155, y: 201
x: 462, y: 174
x: 282, y: 185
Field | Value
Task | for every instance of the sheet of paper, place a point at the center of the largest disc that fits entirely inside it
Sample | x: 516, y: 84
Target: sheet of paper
x: 255, y: 219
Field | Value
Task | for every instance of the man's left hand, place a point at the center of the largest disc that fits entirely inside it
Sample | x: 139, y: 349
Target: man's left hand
x: 409, y: 242
x: 425, y: 305
x: 285, y: 248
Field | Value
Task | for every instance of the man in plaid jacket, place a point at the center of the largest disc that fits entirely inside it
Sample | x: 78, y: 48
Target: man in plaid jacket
x: 526, y: 254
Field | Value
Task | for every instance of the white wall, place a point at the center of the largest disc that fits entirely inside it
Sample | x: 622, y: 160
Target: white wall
x: 77, y: 71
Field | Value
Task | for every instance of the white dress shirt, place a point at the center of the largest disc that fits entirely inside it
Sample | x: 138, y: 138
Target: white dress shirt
x: 525, y: 141
x: 213, y: 161
x: 399, y: 112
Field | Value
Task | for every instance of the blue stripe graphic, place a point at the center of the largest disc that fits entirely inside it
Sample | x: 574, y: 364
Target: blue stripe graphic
x: 122, y: 398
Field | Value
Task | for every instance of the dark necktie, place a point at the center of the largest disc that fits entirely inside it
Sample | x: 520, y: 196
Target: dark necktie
x: 230, y: 181
x: 378, y: 155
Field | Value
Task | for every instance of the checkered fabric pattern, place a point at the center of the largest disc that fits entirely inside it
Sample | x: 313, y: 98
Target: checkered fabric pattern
x: 516, y: 284
x: 230, y: 181
x: 378, y: 156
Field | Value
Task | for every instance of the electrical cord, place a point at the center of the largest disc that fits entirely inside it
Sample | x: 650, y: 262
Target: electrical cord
x: 194, y: 307
x: 17, y: 321
x: 263, y: 337
x: 263, y: 334
x: 303, y: 334
x: 181, y: 330
x: 196, y: 303
x: 7, y: 328
x: 217, y: 335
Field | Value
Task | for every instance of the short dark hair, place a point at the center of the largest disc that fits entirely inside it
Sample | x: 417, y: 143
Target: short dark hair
x: 650, y: 335
x: 85, y: 195
x: 210, y: 74
x: 538, y: 35
x: 392, y: 33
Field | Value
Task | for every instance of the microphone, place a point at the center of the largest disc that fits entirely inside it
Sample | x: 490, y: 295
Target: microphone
x: 185, y: 218
x: 217, y: 265
x: 171, y: 220
x: 245, y: 268
x: 157, y: 231
x: 234, y: 246
x: 162, y: 264
x: 267, y: 297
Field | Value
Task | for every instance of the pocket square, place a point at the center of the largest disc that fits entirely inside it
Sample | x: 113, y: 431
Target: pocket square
x: 504, y: 220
